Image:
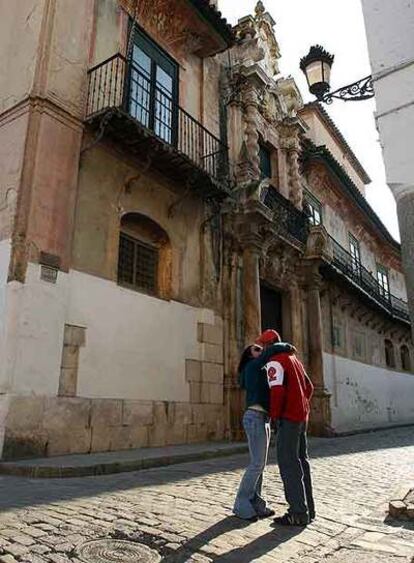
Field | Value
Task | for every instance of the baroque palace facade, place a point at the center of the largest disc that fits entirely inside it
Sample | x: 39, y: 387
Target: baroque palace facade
x: 165, y: 194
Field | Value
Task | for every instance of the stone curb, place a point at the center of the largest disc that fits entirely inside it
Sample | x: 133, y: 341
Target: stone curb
x: 44, y: 471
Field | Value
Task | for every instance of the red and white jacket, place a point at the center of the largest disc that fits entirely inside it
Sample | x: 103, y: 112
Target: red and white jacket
x: 290, y: 388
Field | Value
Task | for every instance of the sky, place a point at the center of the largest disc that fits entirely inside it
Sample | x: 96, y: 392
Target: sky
x: 337, y: 25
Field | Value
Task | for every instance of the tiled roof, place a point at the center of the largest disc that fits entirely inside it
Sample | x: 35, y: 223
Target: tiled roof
x: 324, y: 115
x: 215, y: 18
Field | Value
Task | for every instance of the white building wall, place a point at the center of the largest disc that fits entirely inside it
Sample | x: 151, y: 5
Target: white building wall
x: 390, y: 32
x: 365, y: 396
x: 136, y: 345
x: 4, y: 267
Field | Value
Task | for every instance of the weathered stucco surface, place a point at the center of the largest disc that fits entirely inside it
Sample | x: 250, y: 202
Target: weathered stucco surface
x: 366, y: 396
x: 103, y: 199
x: 20, y: 27
x: 13, y: 129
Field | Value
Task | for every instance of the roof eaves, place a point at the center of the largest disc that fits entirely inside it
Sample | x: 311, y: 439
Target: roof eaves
x: 215, y: 18
x: 329, y: 122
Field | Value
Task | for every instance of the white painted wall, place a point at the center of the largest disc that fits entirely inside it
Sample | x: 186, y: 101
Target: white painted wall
x: 390, y: 31
x: 365, y: 396
x: 4, y: 267
x: 35, y: 317
x: 136, y: 345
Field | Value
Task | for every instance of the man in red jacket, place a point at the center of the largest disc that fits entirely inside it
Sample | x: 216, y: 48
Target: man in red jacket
x: 290, y: 394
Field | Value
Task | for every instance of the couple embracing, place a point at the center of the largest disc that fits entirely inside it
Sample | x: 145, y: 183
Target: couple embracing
x: 278, y: 393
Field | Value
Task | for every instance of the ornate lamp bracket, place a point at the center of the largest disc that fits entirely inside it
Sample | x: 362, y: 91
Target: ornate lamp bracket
x: 362, y: 89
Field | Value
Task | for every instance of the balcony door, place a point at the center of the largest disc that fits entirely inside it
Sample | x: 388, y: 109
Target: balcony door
x: 271, y: 308
x: 153, y: 90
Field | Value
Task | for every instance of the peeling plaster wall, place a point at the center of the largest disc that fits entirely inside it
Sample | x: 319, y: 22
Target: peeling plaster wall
x: 339, y: 226
x: 366, y: 396
x: 20, y: 25
x: 69, y: 53
x: 101, y: 202
x: 13, y: 130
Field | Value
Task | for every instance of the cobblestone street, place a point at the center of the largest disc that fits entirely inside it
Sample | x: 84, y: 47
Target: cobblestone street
x: 184, y: 511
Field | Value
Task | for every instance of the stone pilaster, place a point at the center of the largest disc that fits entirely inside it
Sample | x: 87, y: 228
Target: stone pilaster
x: 320, y: 421
x: 318, y: 247
x: 295, y: 300
x: 251, y: 291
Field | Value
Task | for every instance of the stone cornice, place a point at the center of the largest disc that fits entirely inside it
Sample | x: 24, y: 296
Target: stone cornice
x: 42, y: 105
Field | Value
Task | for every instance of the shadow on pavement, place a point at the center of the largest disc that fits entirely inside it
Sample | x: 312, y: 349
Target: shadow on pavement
x: 394, y: 523
x: 255, y: 549
x: 20, y: 492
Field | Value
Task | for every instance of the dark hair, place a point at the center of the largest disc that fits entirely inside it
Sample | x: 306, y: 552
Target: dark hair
x: 245, y: 357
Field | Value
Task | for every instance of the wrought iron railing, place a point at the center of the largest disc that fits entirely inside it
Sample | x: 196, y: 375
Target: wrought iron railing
x: 118, y: 83
x: 288, y: 219
x: 354, y: 270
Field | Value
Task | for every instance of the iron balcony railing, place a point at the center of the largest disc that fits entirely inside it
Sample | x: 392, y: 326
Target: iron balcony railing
x: 119, y: 84
x: 353, y: 269
x: 288, y: 219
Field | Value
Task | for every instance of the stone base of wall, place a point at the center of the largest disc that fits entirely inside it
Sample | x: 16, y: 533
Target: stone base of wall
x: 49, y: 426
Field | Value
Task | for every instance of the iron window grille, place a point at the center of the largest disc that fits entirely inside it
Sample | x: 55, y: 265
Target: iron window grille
x: 153, y: 88
x: 137, y: 264
x: 314, y: 209
x: 355, y: 252
x: 383, y: 281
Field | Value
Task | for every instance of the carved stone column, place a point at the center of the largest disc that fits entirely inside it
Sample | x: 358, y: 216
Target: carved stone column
x: 251, y: 291
x: 295, y: 188
x: 320, y: 422
x: 290, y: 145
x: 250, y: 100
x: 296, y: 316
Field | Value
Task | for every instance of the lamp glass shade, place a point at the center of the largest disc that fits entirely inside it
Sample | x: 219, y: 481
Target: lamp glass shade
x: 317, y: 69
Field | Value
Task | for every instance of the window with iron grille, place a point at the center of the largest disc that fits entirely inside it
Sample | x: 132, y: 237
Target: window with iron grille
x: 355, y: 253
x: 137, y: 264
x: 153, y: 91
x: 384, y: 284
x: 314, y: 209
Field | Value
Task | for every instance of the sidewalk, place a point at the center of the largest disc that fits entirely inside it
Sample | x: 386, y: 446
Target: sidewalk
x: 81, y: 465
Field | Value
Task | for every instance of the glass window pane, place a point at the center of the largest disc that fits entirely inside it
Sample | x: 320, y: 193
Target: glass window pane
x: 164, y: 81
x: 141, y: 60
x: 265, y: 162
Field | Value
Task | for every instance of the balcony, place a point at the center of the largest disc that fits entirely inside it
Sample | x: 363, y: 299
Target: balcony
x: 138, y: 116
x: 290, y: 221
x: 365, y: 281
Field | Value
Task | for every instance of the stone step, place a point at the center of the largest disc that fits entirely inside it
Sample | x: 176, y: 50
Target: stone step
x: 82, y: 465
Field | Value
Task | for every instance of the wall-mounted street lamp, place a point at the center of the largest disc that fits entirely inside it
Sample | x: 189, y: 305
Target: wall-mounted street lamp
x: 316, y: 66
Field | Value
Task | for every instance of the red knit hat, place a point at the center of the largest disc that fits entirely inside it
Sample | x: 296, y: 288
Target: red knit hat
x: 269, y: 336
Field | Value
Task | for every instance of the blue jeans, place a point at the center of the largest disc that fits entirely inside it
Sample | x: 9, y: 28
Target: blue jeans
x: 249, y: 502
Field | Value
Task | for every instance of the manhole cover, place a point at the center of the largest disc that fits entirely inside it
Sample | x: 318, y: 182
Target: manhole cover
x: 113, y: 551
